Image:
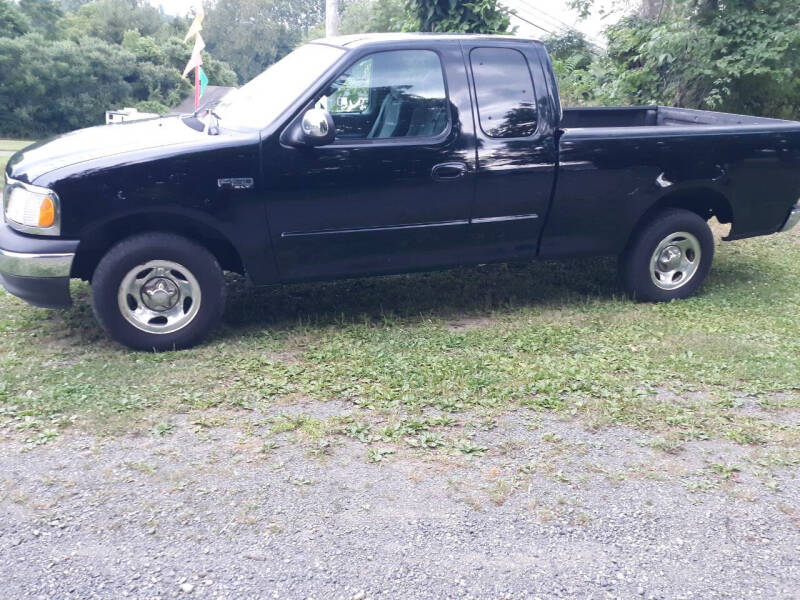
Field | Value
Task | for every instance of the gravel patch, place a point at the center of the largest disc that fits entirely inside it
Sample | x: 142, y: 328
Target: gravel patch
x: 552, y: 510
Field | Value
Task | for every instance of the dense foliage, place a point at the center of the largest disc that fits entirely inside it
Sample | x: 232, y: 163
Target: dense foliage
x: 736, y: 55
x: 61, y: 69
x: 361, y: 16
x: 250, y: 35
x: 475, y: 16
x: 64, y: 62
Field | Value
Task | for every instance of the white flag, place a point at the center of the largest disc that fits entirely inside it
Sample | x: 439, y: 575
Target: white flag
x: 197, y: 24
x: 196, y: 59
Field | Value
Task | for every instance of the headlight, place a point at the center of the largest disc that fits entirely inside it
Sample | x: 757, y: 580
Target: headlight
x: 31, y: 209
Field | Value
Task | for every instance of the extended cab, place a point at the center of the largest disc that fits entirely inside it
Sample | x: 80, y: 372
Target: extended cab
x: 378, y: 154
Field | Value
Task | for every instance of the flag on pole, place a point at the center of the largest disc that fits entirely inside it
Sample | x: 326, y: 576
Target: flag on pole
x: 200, y: 78
x: 197, y: 25
x: 203, y: 81
x: 196, y: 59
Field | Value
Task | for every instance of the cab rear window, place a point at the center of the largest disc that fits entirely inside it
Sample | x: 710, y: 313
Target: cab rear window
x: 504, y: 91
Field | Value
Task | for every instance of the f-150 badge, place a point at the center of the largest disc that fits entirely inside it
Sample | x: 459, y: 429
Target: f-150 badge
x: 235, y: 183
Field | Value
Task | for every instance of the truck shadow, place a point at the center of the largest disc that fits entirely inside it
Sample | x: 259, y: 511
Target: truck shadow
x: 439, y: 294
x: 451, y: 294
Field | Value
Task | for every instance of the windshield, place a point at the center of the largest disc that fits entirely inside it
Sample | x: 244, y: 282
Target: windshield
x: 258, y: 103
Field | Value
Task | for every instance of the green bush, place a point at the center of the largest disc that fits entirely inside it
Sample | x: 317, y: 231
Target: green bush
x: 734, y: 56
x: 66, y: 71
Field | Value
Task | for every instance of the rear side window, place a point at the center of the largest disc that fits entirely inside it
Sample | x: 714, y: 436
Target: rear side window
x: 504, y: 90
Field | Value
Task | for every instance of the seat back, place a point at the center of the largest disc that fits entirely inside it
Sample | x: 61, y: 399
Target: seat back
x: 427, y: 119
x: 393, y: 116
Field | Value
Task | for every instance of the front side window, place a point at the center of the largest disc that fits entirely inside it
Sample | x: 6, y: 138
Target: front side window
x: 504, y: 90
x: 395, y: 94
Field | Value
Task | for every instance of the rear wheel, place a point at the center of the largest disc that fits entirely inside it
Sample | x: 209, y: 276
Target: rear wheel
x: 669, y: 258
x: 158, y: 291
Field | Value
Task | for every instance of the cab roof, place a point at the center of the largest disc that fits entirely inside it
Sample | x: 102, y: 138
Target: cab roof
x: 361, y: 39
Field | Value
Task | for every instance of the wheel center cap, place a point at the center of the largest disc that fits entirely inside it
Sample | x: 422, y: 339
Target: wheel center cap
x: 670, y: 258
x: 160, y: 294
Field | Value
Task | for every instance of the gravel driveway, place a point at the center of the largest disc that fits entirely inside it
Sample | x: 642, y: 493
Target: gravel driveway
x: 551, y: 511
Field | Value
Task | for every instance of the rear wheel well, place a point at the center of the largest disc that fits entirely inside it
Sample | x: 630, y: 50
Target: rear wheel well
x: 704, y: 202
x: 96, y: 244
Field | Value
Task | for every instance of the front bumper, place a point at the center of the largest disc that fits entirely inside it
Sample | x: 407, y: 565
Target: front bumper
x: 36, y: 269
x: 792, y: 219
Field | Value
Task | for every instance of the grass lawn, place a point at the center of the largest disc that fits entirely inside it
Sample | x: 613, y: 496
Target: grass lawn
x: 13, y: 145
x: 10, y: 146
x: 428, y: 359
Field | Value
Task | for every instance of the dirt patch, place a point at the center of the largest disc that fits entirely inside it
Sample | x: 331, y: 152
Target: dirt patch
x: 470, y: 323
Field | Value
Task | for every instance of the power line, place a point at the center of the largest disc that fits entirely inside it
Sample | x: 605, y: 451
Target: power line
x: 560, y: 24
x: 517, y: 15
x: 557, y: 23
x: 541, y: 18
x: 553, y: 22
x: 590, y: 46
x: 549, y: 16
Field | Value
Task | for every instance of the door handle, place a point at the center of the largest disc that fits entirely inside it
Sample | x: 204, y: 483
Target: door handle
x: 449, y: 171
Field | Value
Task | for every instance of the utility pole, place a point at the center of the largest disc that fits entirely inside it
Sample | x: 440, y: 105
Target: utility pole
x: 652, y: 9
x: 331, y: 17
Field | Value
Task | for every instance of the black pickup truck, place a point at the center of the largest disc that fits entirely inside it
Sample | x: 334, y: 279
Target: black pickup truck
x: 378, y: 154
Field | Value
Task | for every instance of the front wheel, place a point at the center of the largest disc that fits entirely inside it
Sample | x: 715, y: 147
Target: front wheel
x: 158, y: 291
x: 669, y: 258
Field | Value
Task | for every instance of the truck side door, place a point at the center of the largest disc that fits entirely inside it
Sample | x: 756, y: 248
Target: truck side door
x: 393, y: 192
x: 517, y: 146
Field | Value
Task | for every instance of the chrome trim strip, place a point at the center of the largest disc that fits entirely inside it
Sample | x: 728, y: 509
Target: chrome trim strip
x: 504, y: 218
x: 23, y: 264
x: 576, y: 165
x: 478, y: 221
x: 792, y: 219
x: 287, y: 234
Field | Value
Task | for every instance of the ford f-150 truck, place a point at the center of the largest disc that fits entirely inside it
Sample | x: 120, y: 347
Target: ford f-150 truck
x: 377, y: 154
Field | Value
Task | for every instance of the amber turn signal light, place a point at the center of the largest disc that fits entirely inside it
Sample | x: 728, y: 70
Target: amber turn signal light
x: 47, y: 212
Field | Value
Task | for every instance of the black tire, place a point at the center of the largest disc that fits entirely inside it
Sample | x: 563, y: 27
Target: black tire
x: 639, y: 280
x: 193, y: 319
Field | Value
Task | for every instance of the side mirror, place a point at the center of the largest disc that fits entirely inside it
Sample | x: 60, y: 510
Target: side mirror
x: 316, y: 128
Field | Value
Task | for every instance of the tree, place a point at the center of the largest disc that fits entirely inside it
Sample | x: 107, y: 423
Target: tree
x: 476, y: 16
x: 13, y: 22
x: 250, y: 35
x: 108, y: 20
x: 42, y: 14
x: 298, y: 15
x: 156, y: 82
x: 570, y: 44
x: 729, y: 55
x: 55, y: 76
x: 737, y: 55
x: 373, y: 16
x: 582, y: 70
x: 59, y: 86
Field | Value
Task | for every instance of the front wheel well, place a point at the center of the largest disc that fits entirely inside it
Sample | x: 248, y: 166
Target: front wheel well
x: 94, y: 245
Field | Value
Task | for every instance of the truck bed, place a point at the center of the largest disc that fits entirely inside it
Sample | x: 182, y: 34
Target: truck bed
x: 654, y: 116
x: 614, y: 162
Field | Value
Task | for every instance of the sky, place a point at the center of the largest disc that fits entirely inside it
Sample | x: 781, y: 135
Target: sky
x: 536, y: 17
x: 175, y: 7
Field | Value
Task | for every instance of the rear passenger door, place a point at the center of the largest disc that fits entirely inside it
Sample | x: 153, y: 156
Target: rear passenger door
x: 517, y: 147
